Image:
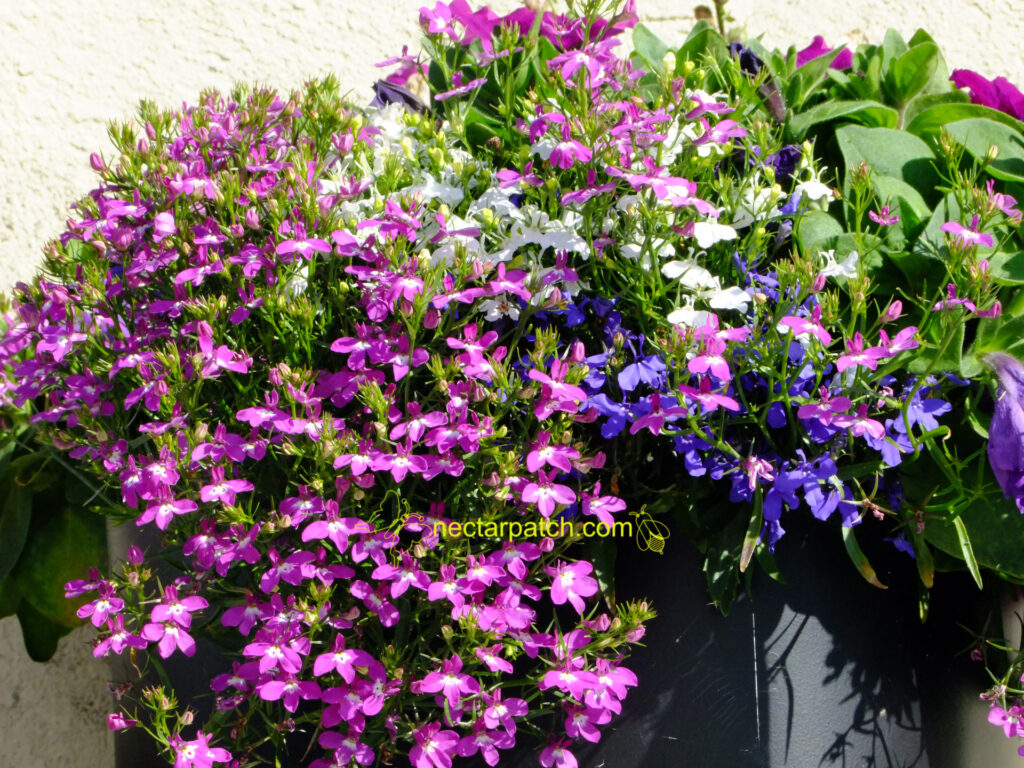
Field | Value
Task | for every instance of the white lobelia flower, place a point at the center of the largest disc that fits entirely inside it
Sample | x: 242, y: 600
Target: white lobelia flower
x: 732, y: 297
x: 831, y: 268
x: 753, y: 205
x: 686, y: 315
x: 814, y: 190
x: 710, y: 232
x: 431, y: 189
x: 690, y: 275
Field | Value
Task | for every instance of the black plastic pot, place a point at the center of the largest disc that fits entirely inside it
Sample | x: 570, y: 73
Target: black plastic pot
x: 823, y: 671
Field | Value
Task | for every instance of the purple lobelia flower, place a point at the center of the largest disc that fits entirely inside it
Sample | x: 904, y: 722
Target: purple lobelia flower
x: 1006, y: 431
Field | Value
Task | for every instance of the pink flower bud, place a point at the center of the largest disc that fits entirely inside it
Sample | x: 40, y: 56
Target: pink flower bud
x: 819, y: 283
x: 142, y: 146
x: 116, y: 721
x: 477, y: 270
x: 97, y: 162
x: 275, y: 377
x: 547, y: 544
x: 252, y: 219
x: 135, y: 556
x: 577, y: 353
x: 893, y: 311
x: 150, y: 131
x: 431, y: 318
x: 236, y: 230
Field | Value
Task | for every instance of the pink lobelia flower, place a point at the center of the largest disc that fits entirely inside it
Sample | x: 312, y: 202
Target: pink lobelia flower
x: 547, y: 494
x: 571, y: 582
x: 967, y: 236
x: 197, y: 753
x: 451, y: 682
x: 434, y: 747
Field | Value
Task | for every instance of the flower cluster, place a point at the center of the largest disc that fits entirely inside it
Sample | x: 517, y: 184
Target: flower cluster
x: 292, y: 340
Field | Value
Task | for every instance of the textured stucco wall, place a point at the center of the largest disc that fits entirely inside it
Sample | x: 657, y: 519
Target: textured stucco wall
x: 69, y: 66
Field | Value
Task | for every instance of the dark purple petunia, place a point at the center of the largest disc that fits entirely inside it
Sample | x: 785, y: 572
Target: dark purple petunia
x: 1006, y: 431
x: 388, y: 93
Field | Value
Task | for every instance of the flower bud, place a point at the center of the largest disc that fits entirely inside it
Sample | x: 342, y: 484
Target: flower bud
x: 135, y: 556
x: 96, y: 161
x: 893, y: 311
x: 252, y: 218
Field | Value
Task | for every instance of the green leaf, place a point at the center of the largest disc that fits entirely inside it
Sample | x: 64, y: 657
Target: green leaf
x: 940, y: 77
x: 61, y: 546
x: 39, y: 633
x: 814, y: 229
x: 911, y: 72
x: 1007, y: 268
x: 967, y: 551
x: 14, y: 524
x: 942, y: 348
x: 702, y: 40
x: 650, y: 47
x: 977, y: 134
x: 893, y: 153
x: 603, y: 554
x: 869, y: 113
x: 892, y: 47
x: 932, y: 117
x: 722, y: 563
x: 858, y: 558
x: 994, y: 334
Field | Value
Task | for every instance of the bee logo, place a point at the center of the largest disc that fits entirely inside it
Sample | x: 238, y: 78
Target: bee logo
x: 650, y: 533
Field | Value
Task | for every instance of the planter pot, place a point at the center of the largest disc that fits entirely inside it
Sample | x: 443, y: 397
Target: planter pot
x: 823, y: 671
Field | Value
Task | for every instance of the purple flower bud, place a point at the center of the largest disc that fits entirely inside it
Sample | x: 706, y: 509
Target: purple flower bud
x: 97, y: 162
x: 252, y: 219
x: 1006, y: 431
x: 135, y: 556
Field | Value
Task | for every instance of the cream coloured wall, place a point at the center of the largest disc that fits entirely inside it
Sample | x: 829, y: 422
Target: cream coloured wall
x: 69, y: 66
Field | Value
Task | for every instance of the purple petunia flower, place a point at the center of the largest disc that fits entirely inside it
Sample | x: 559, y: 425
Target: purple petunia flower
x: 1006, y: 431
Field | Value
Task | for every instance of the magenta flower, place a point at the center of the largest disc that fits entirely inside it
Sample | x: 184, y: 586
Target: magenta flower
x: 557, y: 755
x: 223, y: 490
x: 883, y: 218
x: 968, y: 236
x: 280, y: 652
x: 567, y: 152
x: 547, y: 494
x: 571, y: 582
x: 302, y: 245
x: 165, y: 509
x: 582, y: 721
x: 1003, y: 202
x: 434, y: 747
x: 708, y: 399
x: 811, y: 326
x: 858, y: 356
x: 486, y: 742
x: 342, y: 660
x: 818, y: 47
x: 459, y: 88
x: 998, y: 94
x: 408, y: 574
x: 169, y: 637
x: 859, y: 424
x: 289, y: 690
x: 450, y: 682
x: 175, y: 609
x: 197, y: 753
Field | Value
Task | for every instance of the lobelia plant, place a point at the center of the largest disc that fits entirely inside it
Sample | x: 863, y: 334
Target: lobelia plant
x: 386, y: 382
